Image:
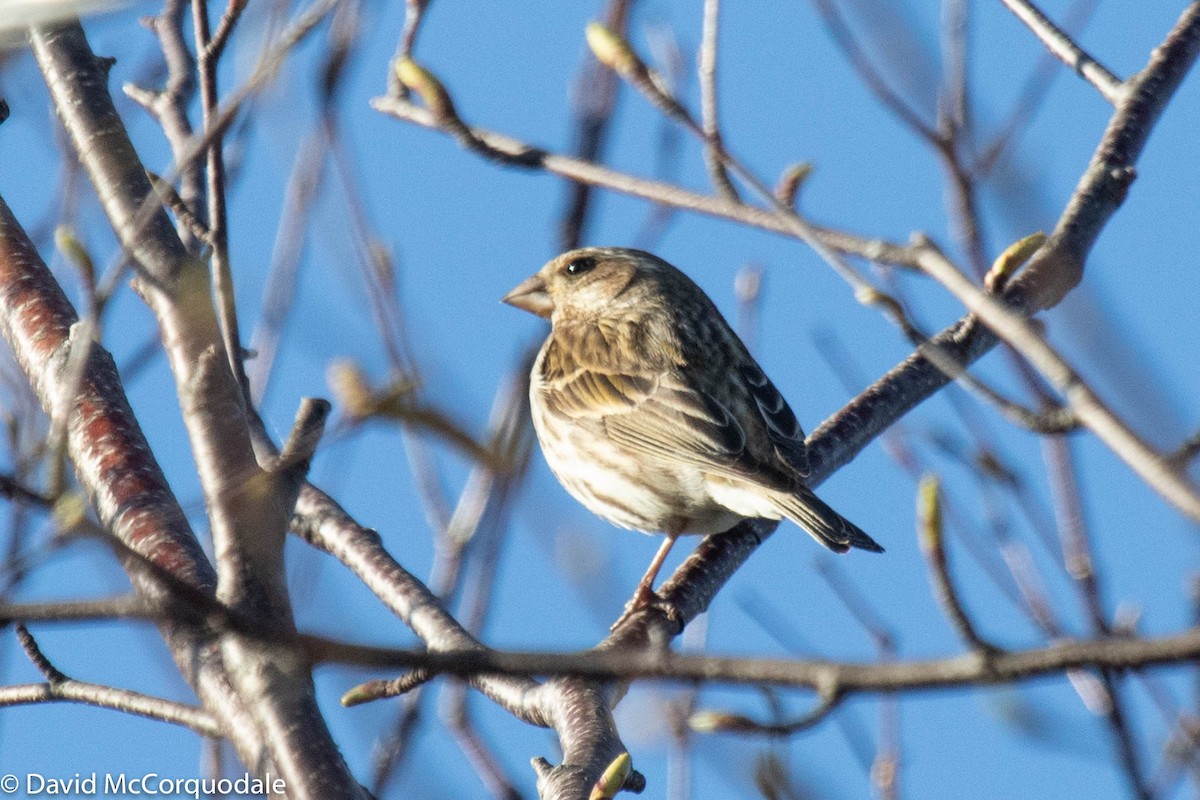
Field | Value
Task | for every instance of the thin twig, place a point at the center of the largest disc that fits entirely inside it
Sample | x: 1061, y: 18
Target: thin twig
x: 1077, y: 557
x: 169, y: 106
x: 1059, y: 43
x: 123, y: 607
x: 933, y: 546
x: 216, y: 45
x: 871, y: 77
x: 708, y: 102
x: 723, y: 722
x: 474, y: 745
x: 218, y: 222
x: 287, y: 254
x: 1035, y: 91
x: 514, y: 152
x: 1187, y: 451
x: 189, y: 223
x: 59, y: 688
x: 954, y: 108
x: 13, y: 489
x: 594, y: 95
x: 123, y: 700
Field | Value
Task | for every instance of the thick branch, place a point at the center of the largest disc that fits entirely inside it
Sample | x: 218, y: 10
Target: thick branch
x: 274, y: 684
x: 114, y: 464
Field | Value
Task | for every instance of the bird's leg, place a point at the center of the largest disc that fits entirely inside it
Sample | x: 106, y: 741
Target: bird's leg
x: 645, y: 590
x: 644, y: 595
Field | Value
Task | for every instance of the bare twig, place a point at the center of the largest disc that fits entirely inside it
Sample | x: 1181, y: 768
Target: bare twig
x: 169, y: 106
x: 870, y: 76
x: 1186, y: 452
x: 123, y: 607
x: 594, y: 96
x: 123, y: 700
x: 724, y: 722
x: 189, y: 223
x: 474, y: 745
x: 218, y: 223
x: 954, y: 107
x: 60, y: 688
x: 215, y: 46
x: 934, y: 547
x: 1036, y: 88
x: 1077, y: 558
x: 1059, y: 43
x: 286, y: 256
x: 710, y: 123
x: 517, y: 153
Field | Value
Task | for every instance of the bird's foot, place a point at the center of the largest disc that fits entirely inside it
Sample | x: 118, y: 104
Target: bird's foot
x: 643, y: 598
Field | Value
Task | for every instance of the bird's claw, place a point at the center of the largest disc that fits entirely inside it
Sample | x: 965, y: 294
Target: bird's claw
x: 646, y: 598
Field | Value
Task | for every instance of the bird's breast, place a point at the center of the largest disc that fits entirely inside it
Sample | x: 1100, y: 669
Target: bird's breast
x: 627, y: 489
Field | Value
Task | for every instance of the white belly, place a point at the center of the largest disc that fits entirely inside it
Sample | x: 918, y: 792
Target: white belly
x: 634, y: 491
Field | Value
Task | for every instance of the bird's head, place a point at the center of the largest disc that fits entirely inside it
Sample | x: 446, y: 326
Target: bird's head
x: 592, y: 281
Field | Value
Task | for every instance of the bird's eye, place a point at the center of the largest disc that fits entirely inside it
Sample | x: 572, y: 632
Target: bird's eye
x: 579, y: 266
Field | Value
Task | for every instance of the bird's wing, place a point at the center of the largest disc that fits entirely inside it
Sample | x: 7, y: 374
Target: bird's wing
x: 675, y: 422
x: 655, y: 412
x: 783, y: 429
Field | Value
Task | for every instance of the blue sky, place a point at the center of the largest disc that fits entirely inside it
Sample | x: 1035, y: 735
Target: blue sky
x: 464, y: 231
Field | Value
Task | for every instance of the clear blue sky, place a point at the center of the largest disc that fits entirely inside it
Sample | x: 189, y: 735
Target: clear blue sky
x: 464, y: 231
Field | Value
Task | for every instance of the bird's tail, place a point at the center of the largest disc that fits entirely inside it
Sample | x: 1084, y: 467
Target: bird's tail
x: 823, y: 523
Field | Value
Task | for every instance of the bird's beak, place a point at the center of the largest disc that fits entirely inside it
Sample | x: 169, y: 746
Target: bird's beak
x: 531, y: 295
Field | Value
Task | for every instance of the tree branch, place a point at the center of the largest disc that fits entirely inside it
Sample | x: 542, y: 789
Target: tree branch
x: 1059, y: 43
x: 60, y: 688
x: 115, y: 466
x: 967, y: 670
x: 514, y: 152
x: 274, y: 683
x: 1154, y: 468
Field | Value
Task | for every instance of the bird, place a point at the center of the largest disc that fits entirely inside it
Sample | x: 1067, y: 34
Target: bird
x: 652, y: 413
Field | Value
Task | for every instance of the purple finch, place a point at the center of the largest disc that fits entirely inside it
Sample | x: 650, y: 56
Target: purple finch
x: 652, y: 413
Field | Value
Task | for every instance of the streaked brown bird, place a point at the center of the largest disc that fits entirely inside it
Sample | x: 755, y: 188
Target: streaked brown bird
x: 652, y: 413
